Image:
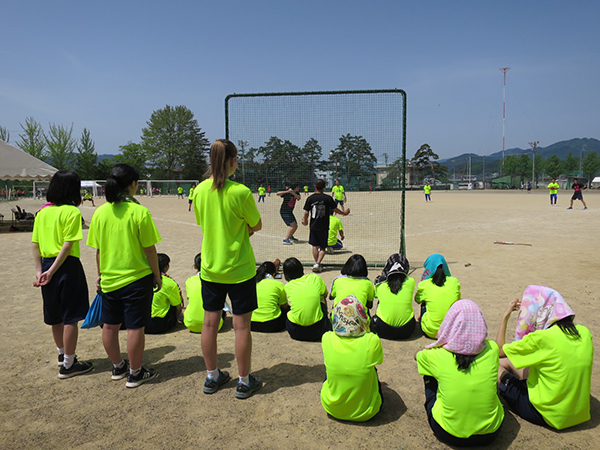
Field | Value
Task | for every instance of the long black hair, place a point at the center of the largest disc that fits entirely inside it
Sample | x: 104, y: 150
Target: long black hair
x: 439, y: 277
x: 356, y: 266
x: 395, y: 282
x: 464, y: 361
x: 120, y: 178
x: 265, y: 268
x: 65, y: 188
x: 568, y: 327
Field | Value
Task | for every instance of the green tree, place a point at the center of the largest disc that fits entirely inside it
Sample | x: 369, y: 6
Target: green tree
x: 33, y: 140
x: 354, y: 158
x: 591, y: 165
x: 524, y: 167
x: 570, y: 164
x: 4, y: 134
x: 425, y: 162
x: 311, y: 154
x: 86, y: 157
x: 511, y: 167
x: 61, y: 146
x: 553, y: 166
x: 394, y: 175
x: 132, y: 154
x: 174, y: 143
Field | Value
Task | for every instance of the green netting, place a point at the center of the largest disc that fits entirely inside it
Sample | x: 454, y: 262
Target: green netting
x: 358, y: 137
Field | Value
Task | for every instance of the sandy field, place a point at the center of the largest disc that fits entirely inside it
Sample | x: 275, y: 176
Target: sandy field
x: 37, y: 410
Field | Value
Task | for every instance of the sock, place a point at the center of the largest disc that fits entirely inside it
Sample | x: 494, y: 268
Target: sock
x: 69, y: 360
x: 61, y: 350
x: 213, y: 374
x: 120, y: 365
x: 245, y: 380
x: 135, y: 372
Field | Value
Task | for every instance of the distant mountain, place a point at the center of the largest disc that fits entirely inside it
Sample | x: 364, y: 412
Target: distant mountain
x: 106, y: 156
x: 561, y: 149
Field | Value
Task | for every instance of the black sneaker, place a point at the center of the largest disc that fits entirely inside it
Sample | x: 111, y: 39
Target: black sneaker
x: 292, y: 238
x: 246, y: 390
x: 211, y: 386
x: 119, y: 374
x: 61, y: 359
x: 134, y: 381
x: 77, y: 368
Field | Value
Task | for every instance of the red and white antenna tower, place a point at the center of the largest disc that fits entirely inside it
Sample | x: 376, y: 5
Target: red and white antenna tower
x: 504, y: 70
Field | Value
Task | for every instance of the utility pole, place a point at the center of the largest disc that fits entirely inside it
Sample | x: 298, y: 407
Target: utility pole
x: 581, y: 160
x: 534, y: 145
x: 504, y: 70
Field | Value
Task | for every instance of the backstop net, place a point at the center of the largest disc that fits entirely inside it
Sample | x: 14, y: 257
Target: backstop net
x: 292, y: 139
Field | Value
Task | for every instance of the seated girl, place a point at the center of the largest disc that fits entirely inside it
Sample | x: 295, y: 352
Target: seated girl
x: 306, y: 294
x: 352, y: 390
x: 353, y: 281
x: 193, y: 316
x: 459, y: 370
x: 545, y: 374
x: 395, y: 318
x: 166, y: 303
x: 436, y: 292
x: 272, y: 309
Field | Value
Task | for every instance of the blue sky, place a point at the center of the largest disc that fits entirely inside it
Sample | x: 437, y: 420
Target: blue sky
x: 108, y: 65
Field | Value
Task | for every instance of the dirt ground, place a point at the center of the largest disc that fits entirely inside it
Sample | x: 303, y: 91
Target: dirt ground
x: 37, y: 410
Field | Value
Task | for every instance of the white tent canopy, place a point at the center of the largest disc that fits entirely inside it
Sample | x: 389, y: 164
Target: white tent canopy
x: 16, y: 164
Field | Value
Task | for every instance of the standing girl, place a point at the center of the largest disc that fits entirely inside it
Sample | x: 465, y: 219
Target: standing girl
x: 124, y: 235
x: 395, y: 318
x: 55, y: 241
x: 436, y: 293
x: 227, y: 213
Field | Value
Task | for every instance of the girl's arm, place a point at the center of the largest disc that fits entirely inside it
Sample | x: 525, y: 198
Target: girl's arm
x: 45, y: 277
x: 514, y: 305
x: 37, y: 260
x: 98, y: 269
x: 153, y: 260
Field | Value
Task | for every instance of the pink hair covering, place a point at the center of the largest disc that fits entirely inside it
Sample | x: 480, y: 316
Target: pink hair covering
x: 463, y: 330
x: 541, y: 307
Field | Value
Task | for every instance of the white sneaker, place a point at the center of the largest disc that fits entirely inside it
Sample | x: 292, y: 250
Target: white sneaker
x: 317, y: 268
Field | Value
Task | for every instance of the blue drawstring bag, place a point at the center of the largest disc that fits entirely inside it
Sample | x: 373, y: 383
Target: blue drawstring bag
x: 94, y: 315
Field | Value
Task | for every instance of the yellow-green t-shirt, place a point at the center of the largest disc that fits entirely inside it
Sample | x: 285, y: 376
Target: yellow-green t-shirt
x: 395, y: 309
x: 335, y: 225
x: 87, y: 195
x: 55, y: 225
x: 193, y: 316
x: 224, y: 216
x: 361, y: 288
x: 338, y: 192
x: 438, y: 300
x: 554, y: 187
x: 305, y: 188
x: 467, y: 402
x: 560, y: 373
x: 270, y: 295
x: 427, y: 189
x: 168, y: 295
x: 191, y: 194
x: 180, y: 190
x: 121, y: 231
x: 261, y: 191
x: 304, y: 296
x: 351, y: 390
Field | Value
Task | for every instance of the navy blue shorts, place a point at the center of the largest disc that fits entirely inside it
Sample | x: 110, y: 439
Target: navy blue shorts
x: 319, y: 238
x: 288, y: 218
x: 66, y: 297
x: 339, y: 203
x: 131, y: 304
x: 577, y: 195
x: 514, y: 391
x: 242, y: 295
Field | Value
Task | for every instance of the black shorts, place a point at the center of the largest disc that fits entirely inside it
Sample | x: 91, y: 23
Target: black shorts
x: 242, y: 295
x: 319, y: 238
x: 577, y: 195
x: 288, y: 217
x: 131, y: 304
x: 514, y: 391
x: 66, y: 297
